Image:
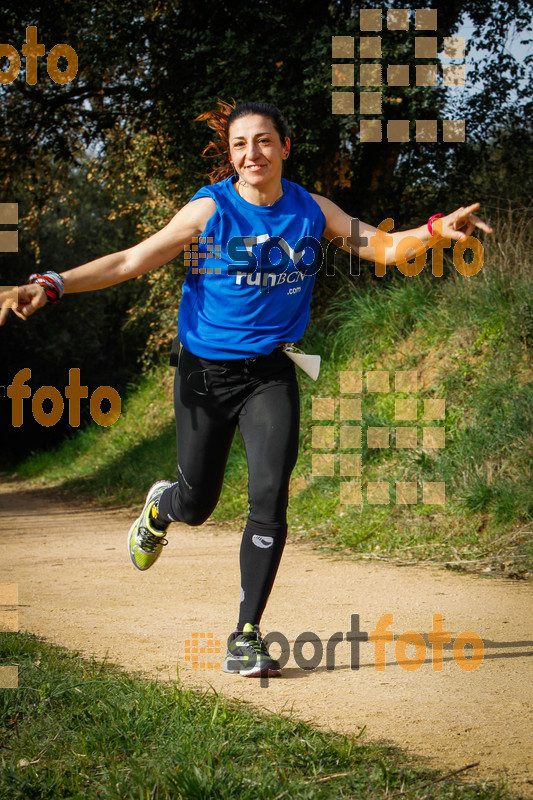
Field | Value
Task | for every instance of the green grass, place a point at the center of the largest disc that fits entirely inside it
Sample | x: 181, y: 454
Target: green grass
x: 82, y: 729
x: 475, y: 334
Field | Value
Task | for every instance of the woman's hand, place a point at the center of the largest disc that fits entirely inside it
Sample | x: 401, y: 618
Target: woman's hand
x: 23, y: 301
x: 451, y: 226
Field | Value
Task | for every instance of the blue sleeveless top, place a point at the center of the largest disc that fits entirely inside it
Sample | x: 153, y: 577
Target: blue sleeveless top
x: 251, y: 273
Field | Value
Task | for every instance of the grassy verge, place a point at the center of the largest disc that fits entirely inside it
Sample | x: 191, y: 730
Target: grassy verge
x: 116, y: 464
x: 79, y: 729
x: 469, y: 341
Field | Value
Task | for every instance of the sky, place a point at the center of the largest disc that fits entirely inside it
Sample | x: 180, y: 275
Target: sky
x: 513, y: 46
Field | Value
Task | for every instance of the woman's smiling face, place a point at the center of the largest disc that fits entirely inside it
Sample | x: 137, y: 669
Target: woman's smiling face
x: 256, y: 149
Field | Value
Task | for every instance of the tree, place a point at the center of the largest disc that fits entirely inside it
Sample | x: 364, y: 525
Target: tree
x: 104, y: 160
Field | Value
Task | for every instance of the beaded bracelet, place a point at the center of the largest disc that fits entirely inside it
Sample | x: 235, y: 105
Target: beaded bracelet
x: 52, y: 284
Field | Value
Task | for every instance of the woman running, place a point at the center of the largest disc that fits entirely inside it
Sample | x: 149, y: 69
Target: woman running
x: 252, y: 240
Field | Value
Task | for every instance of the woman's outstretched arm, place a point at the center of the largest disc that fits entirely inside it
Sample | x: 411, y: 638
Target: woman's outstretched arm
x: 380, y: 245
x: 118, y: 267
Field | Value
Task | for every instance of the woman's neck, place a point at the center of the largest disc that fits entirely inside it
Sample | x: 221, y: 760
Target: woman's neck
x: 266, y: 196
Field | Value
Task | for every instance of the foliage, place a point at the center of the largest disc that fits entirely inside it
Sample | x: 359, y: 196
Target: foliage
x: 97, y: 164
x: 503, y: 93
x: 60, y: 229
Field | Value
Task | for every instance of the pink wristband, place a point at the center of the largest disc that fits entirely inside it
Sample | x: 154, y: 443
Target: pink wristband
x: 430, y: 221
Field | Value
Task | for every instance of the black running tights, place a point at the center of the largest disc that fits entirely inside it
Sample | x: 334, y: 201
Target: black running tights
x: 211, y: 399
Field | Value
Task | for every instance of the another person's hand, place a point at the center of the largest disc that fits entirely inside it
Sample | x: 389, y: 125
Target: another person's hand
x: 22, y: 300
x: 451, y: 225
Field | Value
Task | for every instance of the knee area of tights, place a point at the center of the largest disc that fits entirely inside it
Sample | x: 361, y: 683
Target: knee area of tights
x: 196, y: 514
x: 194, y: 518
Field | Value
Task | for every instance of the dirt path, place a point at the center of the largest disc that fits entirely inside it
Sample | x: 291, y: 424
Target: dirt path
x: 78, y: 588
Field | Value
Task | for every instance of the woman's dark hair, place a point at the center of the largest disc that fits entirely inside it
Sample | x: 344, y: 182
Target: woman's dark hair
x: 220, y: 119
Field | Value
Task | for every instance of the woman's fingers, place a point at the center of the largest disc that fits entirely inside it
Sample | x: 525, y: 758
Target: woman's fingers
x: 23, y: 301
x: 479, y: 223
x: 31, y: 297
x: 463, y: 218
x: 4, y: 311
x: 9, y: 303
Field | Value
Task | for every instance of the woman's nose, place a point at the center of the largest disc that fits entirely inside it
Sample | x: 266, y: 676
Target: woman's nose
x: 252, y: 150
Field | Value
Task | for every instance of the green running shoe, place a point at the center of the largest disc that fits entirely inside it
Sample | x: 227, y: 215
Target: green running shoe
x: 248, y: 655
x: 145, y: 542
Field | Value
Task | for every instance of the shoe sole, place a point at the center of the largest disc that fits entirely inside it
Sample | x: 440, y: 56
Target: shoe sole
x: 253, y: 672
x: 262, y: 673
